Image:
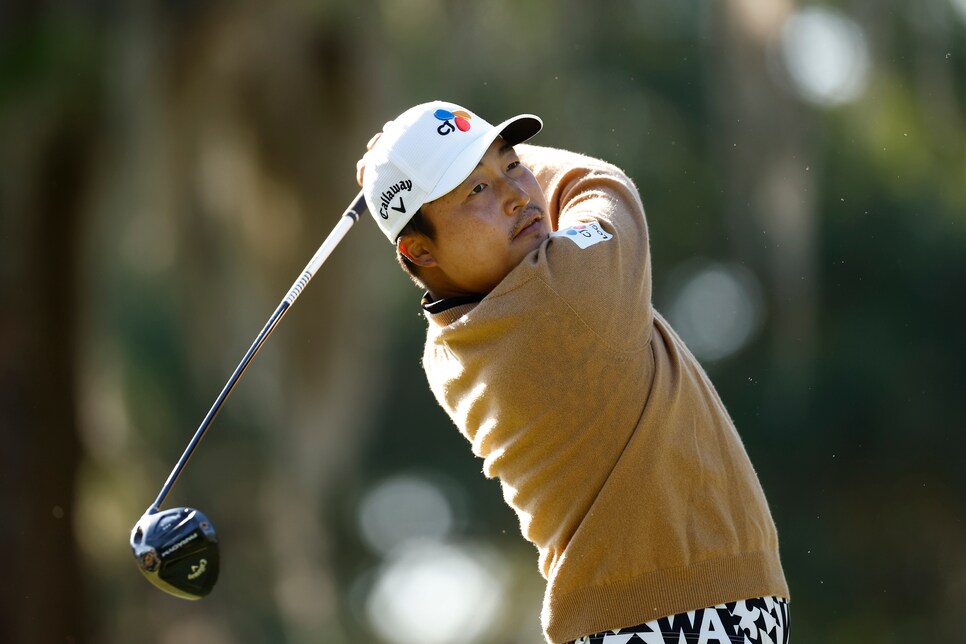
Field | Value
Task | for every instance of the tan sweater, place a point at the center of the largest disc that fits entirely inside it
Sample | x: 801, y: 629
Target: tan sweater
x: 609, y: 440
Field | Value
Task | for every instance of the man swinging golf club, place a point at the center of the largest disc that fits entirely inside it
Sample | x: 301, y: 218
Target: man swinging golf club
x: 542, y: 345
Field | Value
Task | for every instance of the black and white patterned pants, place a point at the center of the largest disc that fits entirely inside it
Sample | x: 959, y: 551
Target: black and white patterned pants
x: 751, y: 621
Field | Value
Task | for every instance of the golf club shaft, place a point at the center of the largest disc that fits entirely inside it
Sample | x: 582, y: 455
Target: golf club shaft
x: 349, y: 217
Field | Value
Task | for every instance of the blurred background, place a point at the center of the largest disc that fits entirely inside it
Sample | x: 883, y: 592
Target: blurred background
x: 168, y: 168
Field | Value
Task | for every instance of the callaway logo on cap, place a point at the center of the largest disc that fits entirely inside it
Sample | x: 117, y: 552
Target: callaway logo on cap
x: 427, y: 151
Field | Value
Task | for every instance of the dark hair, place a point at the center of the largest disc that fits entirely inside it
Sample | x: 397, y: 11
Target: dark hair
x: 421, y: 225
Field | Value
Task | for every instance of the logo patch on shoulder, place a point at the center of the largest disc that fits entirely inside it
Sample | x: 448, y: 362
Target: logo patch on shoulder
x: 584, y: 235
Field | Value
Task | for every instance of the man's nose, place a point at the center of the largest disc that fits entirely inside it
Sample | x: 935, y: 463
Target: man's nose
x: 516, y: 196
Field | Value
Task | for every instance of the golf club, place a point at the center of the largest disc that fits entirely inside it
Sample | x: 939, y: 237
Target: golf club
x: 177, y: 549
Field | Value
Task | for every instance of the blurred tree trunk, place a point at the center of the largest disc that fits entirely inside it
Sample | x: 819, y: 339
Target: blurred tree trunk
x: 285, y: 108
x: 235, y: 145
x: 763, y: 134
x: 45, y: 148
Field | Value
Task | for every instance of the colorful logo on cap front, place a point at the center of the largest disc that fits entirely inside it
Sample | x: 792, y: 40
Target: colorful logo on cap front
x: 452, y: 121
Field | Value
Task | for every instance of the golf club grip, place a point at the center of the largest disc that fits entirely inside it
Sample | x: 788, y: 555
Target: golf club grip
x: 348, y: 218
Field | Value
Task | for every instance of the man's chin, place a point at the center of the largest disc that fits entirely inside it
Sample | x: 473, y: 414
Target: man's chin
x: 526, y: 244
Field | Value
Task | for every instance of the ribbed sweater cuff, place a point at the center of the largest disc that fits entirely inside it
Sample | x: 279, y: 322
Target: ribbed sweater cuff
x: 665, y: 592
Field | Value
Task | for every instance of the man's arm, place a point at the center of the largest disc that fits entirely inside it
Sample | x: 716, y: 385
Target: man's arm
x: 608, y: 282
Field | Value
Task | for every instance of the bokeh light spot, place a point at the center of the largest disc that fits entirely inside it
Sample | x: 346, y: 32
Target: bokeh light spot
x: 718, y: 310
x: 959, y: 6
x: 436, y: 593
x: 826, y: 55
x: 401, y: 509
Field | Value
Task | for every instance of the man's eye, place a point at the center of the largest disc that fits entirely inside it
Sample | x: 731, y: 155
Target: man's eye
x: 478, y: 188
x: 513, y: 165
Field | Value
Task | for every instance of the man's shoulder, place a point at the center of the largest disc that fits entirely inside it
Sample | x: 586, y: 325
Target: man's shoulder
x: 547, y: 161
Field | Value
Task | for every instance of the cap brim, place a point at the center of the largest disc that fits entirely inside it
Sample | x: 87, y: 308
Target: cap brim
x: 513, y: 130
x: 520, y: 128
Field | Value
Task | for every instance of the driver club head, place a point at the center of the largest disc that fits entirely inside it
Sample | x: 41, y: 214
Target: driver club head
x: 177, y: 550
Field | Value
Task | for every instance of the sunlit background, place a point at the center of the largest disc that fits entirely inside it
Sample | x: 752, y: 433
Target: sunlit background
x: 170, y: 167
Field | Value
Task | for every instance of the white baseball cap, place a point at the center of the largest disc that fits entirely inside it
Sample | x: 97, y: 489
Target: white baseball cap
x: 427, y: 151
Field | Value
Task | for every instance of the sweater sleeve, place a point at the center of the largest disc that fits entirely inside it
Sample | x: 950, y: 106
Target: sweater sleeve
x: 608, y: 282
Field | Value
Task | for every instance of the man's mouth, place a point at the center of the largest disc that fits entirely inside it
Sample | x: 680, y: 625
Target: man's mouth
x: 530, y: 221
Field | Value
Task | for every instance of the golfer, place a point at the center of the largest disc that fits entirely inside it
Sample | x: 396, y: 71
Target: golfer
x: 543, y: 346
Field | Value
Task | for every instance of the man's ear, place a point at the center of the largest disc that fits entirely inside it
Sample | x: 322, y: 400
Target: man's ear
x: 416, y: 249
